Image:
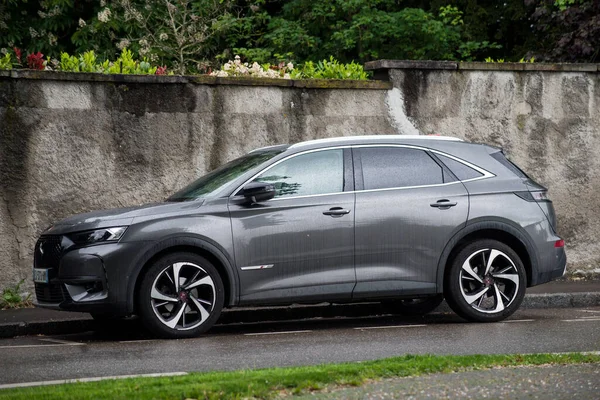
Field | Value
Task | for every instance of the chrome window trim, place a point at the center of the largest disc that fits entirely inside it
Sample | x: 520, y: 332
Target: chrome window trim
x: 486, y: 174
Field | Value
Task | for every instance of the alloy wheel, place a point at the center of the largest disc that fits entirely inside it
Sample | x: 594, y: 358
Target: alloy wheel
x: 183, y: 296
x: 489, y: 281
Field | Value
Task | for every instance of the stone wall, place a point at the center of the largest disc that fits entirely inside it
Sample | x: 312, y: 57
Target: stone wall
x: 71, y: 143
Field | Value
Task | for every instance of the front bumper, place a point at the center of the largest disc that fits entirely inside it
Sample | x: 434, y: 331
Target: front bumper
x: 90, y: 279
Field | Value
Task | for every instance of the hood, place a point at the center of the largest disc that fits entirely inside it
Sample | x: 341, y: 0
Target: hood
x: 117, y: 216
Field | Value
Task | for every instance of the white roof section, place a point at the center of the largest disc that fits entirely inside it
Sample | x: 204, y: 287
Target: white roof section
x: 376, y: 137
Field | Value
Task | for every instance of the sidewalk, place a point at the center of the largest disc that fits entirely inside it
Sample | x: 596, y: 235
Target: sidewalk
x: 32, y: 321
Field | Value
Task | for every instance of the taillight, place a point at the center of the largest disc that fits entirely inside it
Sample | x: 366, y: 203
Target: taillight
x: 539, y: 195
x: 559, y: 243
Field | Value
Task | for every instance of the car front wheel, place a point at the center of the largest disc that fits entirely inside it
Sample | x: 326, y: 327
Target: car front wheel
x: 486, y: 282
x: 181, y: 295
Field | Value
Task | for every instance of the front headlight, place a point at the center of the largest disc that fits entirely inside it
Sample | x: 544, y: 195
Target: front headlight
x: 98, y: 235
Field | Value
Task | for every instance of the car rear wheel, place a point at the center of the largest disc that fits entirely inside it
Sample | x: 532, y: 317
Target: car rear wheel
x: 181, y: 295
x: 486, y: 282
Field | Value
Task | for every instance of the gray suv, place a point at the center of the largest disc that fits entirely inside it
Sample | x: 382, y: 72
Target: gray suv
x: 402, y: 218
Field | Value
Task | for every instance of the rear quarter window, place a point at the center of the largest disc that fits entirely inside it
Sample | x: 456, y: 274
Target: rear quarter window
x: 462, y: 171
x: 501, y: 158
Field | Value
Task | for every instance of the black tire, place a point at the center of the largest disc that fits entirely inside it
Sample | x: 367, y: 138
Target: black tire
x: 462, y: 287
x: 156, y: 316
x: 418, y: 306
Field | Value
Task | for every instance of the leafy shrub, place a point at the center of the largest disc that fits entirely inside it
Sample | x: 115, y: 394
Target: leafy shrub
x: 13, y: 298
x: 332, y: 69
x: 125, y: 64
x: 6, y: 62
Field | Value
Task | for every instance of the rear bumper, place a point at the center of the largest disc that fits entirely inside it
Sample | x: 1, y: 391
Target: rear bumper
x: 554, y: 270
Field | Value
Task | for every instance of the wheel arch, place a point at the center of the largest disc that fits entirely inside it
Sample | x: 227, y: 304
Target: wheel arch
x: 201, y: 246
x: 504, y: 231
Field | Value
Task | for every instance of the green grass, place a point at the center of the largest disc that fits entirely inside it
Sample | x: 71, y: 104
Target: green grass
x: 269, y: 383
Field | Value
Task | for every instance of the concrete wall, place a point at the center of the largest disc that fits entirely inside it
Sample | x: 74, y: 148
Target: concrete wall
x: 73, y: 143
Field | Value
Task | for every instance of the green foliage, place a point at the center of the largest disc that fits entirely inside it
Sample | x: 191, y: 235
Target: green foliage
x: 331, y: 69
x: 6, y: 61
x: 363, y: 30
x: 13, y: 298
x: 124, y: 64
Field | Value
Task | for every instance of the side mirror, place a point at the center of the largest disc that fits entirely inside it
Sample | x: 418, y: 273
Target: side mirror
x: 256, y: 192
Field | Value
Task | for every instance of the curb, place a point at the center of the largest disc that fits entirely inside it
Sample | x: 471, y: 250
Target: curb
x: 296, y: 312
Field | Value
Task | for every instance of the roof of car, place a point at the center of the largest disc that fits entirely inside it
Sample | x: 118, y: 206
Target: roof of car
x: 375, y: 139
x: 361, y: 139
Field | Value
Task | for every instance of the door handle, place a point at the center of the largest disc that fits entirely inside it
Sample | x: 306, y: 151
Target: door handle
x: 443, y: 204
x: 336, y: 212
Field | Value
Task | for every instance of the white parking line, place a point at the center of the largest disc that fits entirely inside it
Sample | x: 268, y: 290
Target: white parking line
x: 23, y: 346
x: 520, y: 320
x: 65, y: 342
x: 100, y: 378
x: 388, y: 327
x: 594, y: 311
x: 139, y: 341
x: 581, y: 320
x: 274, y: 333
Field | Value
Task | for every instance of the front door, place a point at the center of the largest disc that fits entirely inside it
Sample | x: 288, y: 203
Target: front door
x: 409, y: 207
x: 299, y: 245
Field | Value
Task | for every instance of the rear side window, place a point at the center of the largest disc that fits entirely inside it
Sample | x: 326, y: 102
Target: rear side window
x: 463, y: 172
x: 395, y: 167
x: 501, y: 158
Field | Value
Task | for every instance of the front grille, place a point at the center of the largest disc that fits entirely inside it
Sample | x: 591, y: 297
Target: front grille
x: 51, y: 293
x: 48, y: 251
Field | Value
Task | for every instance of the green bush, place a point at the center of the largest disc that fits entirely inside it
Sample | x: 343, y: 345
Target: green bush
x: 331, y: 69
x: 125, y: 64
x: 6, y: 62
x: 13, y: 298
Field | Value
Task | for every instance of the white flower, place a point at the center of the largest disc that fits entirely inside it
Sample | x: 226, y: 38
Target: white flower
x: 102, y: 3
x: 124, y: 43
x: 81, y: 23
x: 220, y: 74
x: 3, y: 50
x: 237, y: 61
x: 163, y: 36
x: 143, y: 43
x: 33, y: 32
x: 51, y: 39
x: 104, y: 15
x: 227, y: 66
x: 287, y: 76
x: 290, y: 66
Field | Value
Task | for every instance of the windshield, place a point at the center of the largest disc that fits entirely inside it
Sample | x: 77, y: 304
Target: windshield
x: 221, y: 176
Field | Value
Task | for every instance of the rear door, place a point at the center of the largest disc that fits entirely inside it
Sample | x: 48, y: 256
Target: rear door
x: 408, y: 206
x: 299, y: 245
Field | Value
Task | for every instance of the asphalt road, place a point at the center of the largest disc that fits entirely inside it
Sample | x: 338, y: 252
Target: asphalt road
x: 126, y: 349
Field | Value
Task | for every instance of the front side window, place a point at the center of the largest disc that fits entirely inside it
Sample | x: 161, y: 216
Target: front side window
x: 319, y: 172
x: 223, y: 175
x: 396, y: 167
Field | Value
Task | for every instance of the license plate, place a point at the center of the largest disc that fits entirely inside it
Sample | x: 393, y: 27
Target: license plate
x: 40, y: 275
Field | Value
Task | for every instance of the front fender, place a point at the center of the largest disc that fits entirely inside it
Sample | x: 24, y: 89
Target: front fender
x: 187, y: 240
